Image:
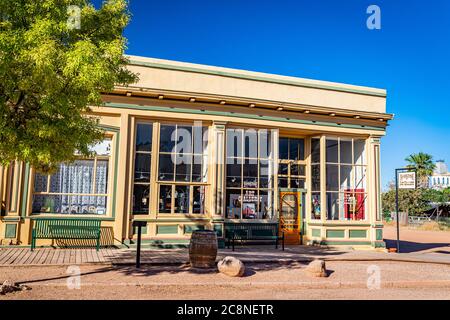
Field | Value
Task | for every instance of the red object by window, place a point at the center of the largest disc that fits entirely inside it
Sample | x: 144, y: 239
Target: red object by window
x: 354, y: 204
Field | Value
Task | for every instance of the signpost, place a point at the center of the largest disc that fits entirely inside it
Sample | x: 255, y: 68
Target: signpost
x: 139, y: 225
x: 405, y: 178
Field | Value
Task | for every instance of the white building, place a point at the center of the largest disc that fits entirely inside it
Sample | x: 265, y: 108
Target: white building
x: 440, y: 179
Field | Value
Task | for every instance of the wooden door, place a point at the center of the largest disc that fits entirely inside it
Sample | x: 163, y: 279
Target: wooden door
x: 290, y: 216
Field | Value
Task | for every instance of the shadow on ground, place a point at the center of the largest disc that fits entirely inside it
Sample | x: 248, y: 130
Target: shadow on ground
x: 411, y: 246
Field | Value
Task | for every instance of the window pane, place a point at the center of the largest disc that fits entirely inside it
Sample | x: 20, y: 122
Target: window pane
x: 265, y: 143
x: 354, y: 205
x: 167, y: 138
x: 315, y: 177
x: 251, y: 143
x: 40, y: 182
x: 282, y: 182
x: 250, y: 172
x: 296, y: 149
x: 183, y: 171
x: 233, y: 174
x: 199, y: 200
x: 102, y: 148
x: 142, y: 163
x: 76, y: 177
x: 141, y: 195
x: 297, y: 170
x: 265, y: 173
x: 332, y: 150
x: 144, y: 133
x: 315, y: 206
x: 233, y: 203
x: 283, y: 168
x: 234, y: 143
x: 166, y: 167
x: 346, y: 172
x: 250, y: 204
x: 184, y: 139
x: 265, y: 204
x: 297, y: 183
x: 360, y: 178
x: 101, y: 177
x: 181, y: 199
x: 200, y: 139
x: 346, y: 151
x: 65, y: 204
x: 197, y: 170
x: 315, y: 150
x: 359, y: 150
x: 283, y: 148
x: 332, y: 206
x: 332, y: 177
x: 165, y: 199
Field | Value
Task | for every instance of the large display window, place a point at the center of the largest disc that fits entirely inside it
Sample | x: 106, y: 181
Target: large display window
x: 249, y: 173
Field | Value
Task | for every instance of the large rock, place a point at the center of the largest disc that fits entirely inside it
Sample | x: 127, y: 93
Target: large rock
x: 231, y: 267
x: 316, y: 269
x: 9, y: 286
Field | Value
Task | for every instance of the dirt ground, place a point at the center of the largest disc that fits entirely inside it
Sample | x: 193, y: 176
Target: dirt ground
x: 347, y: 280
x: 413, y: 240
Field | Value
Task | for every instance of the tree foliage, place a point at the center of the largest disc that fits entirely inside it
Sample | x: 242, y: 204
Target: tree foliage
x: 414, y: 201
x: 423, y: 163
x: 52, y: 73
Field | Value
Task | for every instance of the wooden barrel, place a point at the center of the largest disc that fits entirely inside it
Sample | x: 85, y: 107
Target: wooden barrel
x: 203, y: 249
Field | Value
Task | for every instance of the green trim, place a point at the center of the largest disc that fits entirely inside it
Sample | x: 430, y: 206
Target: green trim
x: 335, y: 233
x: 297, y: 83
x: 189, y: 228
x: 348, y: 243
x: 35, y: 216
x: 379, y: 234
x: 319, y: 224
x: 10, y: 230
x: 116, y: 166
x: 143, y: 230
x: 239, y: 115
x: 218, y: 228
x: 10, y: 218
x: 25, y: 190
x: 357, y: 233
x: 291, y: 190
x: 316, y: 232
x: 380, y: 244
x: 167, y: 229
x: 171, y: 220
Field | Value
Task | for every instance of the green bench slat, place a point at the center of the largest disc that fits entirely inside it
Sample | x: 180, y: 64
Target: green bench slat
x: 66, y: 228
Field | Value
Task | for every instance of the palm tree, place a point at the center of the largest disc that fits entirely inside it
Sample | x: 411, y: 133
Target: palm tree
x: 424, y: 165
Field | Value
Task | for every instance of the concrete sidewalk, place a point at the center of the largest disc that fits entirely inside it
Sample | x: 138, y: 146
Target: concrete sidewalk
x: 248, y: 254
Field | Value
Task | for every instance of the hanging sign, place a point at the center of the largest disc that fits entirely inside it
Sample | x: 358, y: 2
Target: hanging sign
x: 407, y: 180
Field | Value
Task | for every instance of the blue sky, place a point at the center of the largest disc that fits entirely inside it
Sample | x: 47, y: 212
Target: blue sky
x: 325, y: 40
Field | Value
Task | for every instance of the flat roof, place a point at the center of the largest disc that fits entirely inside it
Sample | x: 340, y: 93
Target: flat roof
x: 252, y: 75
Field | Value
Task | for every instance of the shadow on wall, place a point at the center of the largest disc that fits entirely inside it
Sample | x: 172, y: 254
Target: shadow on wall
x: 106, y: 240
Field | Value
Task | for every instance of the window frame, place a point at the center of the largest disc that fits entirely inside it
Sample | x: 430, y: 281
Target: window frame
x: 109, y: 188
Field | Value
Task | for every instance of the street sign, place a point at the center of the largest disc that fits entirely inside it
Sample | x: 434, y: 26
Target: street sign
x: 407, y: 180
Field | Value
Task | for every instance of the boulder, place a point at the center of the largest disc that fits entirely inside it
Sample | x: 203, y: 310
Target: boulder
x: 231, y: 267
x: 316, y: 268
x: 9, y: 286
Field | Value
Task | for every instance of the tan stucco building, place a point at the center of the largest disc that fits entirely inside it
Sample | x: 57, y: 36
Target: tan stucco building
x: 192, y: 146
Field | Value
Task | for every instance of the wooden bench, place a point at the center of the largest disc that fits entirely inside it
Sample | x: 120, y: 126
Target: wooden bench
x: 65, y: 228
x: 253, y: 231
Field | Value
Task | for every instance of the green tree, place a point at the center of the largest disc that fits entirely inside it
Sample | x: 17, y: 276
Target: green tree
x: 423, y: 163
x: 52, y: 71
x: 412, y: 201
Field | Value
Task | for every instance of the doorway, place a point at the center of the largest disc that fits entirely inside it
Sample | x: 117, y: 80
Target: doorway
x: 290, y: 216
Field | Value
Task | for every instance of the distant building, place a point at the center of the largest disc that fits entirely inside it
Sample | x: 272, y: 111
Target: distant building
x: 440, y: 179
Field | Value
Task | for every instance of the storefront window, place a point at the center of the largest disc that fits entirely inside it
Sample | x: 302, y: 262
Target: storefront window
x: 249, y: 174
x: 80, y: 187
x: 345, y: 179
x: 182, y: 169
x: 142, y: 168
x: 291, y: 163
x: 315, y: 178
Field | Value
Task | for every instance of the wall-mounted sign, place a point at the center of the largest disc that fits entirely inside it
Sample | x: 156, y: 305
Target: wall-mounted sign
x: 407, y: 180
